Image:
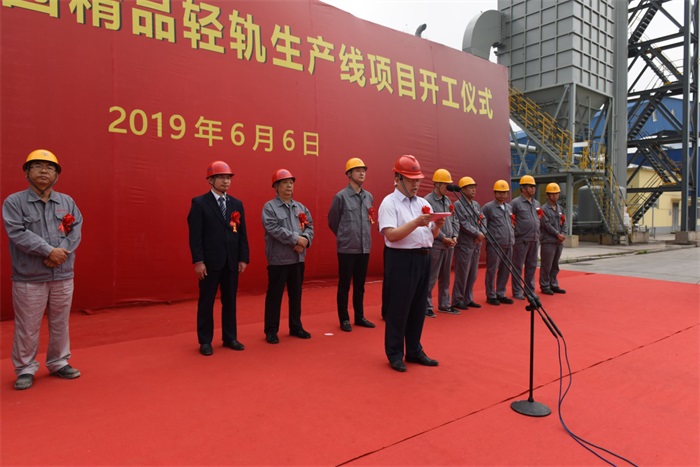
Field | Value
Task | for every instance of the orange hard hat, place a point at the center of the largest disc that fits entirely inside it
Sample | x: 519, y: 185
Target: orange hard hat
x: 354, y: 163
x: 41, y: 155
x: 409, y: 167
x: 527, y: 180
x: 501, y: 185
x: 553, y: 188
x: 442, y: 176
x: 281, y: 174
x: 466, y: 181
x: 219, y: 168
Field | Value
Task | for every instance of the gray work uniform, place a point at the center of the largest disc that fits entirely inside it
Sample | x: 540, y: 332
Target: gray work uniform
x: 527, y: 235
x: 500, y: 226
x: 285, y: 267
x: 467, y: 251
x: 34, y: 230
x: 282, y: 230
x: 349, y: 219
x: 551, y: 225
x: 441, y: 255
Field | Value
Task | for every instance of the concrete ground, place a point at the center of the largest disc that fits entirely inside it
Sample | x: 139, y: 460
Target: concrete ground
x: 659, y: 259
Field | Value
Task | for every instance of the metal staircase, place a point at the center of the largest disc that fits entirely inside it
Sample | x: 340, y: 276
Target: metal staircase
x: 642, y: 202
x: 667, y: 174
x: 609, y: 200
x: 659, y: 78
x: 643, y: 23
x: 543, y: 130
x: 558, y: 145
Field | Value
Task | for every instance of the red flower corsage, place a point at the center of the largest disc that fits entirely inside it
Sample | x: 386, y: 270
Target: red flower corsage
x: 302, y: 221
x: 452, y: 208
x: 512, y: 219
x: 66, y: 223
x: 481, y: 218
x: 425, y: 210
x: 235, y: 220
x: 540, y: 213
x: 563, y: 219
x: 370, y: 214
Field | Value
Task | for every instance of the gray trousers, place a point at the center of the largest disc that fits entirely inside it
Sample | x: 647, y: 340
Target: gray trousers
x: 30, y: 300
x: 466, y: 267
x: 497, y: 270
x: 524, y: 255
x: 549, y: 264
x: 440, y: 268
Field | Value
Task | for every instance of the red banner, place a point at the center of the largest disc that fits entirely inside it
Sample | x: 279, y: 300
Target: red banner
x: 137, y: 97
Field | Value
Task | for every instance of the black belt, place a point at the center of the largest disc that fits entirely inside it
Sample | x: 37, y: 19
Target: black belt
x: 412, y: 251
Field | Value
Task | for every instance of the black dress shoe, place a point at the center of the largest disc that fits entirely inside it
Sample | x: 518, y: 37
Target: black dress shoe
x: 271, y: 338
x: 300, y: 333
x: 364, y: 323
x: 450, y: 310
x: 558, y: 290
x: 345, y: 326
x: 493, y: 301
x: 546, y: 292
x: 398, y: 365
x: 234, y: 344
x: 206, y: 349
x: 460, y: 305
x: 473, y: 305
x: 422, y: 359
x: 505, y: 300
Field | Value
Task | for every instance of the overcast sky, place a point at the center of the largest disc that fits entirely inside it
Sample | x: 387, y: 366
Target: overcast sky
x: 447, y: 19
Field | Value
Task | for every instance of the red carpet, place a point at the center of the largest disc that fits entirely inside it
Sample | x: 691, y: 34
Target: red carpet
x: 147, y: 397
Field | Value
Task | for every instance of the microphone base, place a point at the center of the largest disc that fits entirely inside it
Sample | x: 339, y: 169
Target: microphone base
x: 531, y: 408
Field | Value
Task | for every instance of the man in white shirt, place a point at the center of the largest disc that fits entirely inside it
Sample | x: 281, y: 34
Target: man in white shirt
x: 404, y: 220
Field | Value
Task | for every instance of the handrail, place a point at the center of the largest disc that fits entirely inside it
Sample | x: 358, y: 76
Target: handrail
x: 559, y: 141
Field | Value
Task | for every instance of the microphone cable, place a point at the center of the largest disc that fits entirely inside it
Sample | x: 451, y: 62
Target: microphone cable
x: 589, y: 446
x: 536, y: 306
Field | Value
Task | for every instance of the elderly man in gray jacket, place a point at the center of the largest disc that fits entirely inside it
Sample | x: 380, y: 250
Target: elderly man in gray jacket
x: 289, y: 231
x: 44, y: 228
x: 350, y: 218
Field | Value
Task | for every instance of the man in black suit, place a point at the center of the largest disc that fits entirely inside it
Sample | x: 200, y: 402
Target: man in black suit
x: 219, y: 247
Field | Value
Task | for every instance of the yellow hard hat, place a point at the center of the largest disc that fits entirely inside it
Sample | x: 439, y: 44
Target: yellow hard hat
x: 501, y: 185
x: 442, y: 176
x: 527, y: 180
x: 354, y: 163
x: 553, y: 188
x: 41, y: 155
x: 464, y: 181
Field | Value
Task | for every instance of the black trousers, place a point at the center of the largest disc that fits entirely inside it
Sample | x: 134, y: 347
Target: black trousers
x: 227, y: 281
x: 351, y: 267
x: 291, y: 276
x: 407, y: 278
x: 385, y: 299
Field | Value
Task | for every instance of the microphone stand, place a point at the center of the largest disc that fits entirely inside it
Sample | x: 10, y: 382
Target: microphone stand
x: 528, y: 407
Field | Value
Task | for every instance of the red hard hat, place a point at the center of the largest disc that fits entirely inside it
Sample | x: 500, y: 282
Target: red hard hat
x: 281, y: 174
x: 408, y: 166
x: 219, y: 168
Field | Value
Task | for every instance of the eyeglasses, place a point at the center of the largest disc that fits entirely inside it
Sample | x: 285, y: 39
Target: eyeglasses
x: 39, y: 167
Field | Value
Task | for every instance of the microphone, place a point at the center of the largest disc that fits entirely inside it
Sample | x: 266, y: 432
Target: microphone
x: 453, y: 188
